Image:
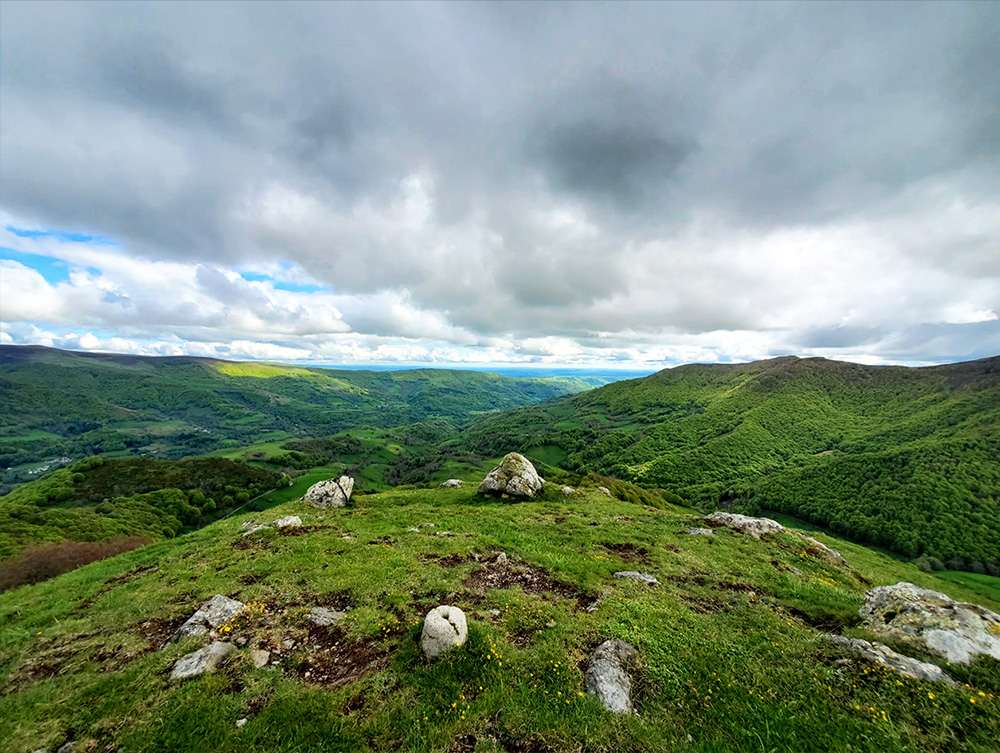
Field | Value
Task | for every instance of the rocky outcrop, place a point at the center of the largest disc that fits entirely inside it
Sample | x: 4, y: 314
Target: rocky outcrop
x: 882, y: 654
x: 452, y: 483
x: 330, y: 493
x: 755, y: 527
x: 643, y: 577
x: 515, y: 477
x: 445, y: 629
x: 205, y: 659
x: 608, y: 678
x: 821, y: 551
x: 956, y: 630
x: 210, y: 615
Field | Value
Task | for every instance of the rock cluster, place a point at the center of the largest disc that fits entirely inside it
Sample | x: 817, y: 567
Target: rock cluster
x: 755, y: 527
x: 514, y: 477
x: 931, y: 619
x: 607, y: 676
x: 444, y: 629
x: 330, y: 493
x: 882, y: 654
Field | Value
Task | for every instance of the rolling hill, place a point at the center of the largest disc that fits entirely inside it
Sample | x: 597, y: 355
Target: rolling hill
x: 907, y: 458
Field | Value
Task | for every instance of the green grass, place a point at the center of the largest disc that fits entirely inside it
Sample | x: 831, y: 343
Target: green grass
x: 985, y: 586
x: 730, y: 660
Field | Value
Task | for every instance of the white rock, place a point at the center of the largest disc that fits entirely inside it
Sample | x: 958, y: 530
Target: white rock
x: 240, y: 723
x: 882, y: 654
x: 605, y: 491
x: 324, y: 617
x: 823, y: 552
x: 330, y: 493
x: 956, y: 630
x: 699, y: 532
x: 607, y: 677
x: 288, y: 644
x: 567, y: 490
x: 444, y: 629
x: 413, y: 529
x: 632, y: 575
x: 515, y: 477
x: 501, y: 559
x: 292, y: 521
x: 254, y: 529
x: 260, y: 658
x: 205, y: 659
x: 452, y: 483
x: 755, y: 527
x: 210, y: 615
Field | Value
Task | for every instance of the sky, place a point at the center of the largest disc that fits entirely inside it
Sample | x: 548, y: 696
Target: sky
x: 594, y: 184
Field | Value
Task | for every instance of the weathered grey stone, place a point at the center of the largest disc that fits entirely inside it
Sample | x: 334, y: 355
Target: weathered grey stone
x: 255, y: 528
x: 444, y: 629
x: 413, y: 529
x: 956, y: 630
x: 452, y: 483
x: 596, y: 603
x: 292, y: 521
x: 324, y: 617
x: 210, y: 615
x: 882, y: 654
x: 515, y: 477
x: 288, y: 644
x: 241, y: 723
x: 699, y: 532
x: 330, y: 493
x: 755, y: 527
x: 250, y: 524
x: 205, y: 659
x: 607, y: 676
x: 823, y: 552
x: 501, y: 559
x: 69, y: 747
x: 632, y: 575
x: 567, y: 490
x: 260, y: 658
x: 604, y: 490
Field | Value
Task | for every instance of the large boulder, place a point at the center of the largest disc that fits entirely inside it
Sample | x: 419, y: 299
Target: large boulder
x: 608, y: 678
x: 956, y: 630
x: 210, y: 615
x: 205, y: 659
x: 755, y: 527
x: 331, y: 493
x: 444, y: 629
x: 885, y: 656
x: 515, y: 477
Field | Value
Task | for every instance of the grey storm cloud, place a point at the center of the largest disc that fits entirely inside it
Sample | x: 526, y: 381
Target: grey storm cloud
x: 532, y: 170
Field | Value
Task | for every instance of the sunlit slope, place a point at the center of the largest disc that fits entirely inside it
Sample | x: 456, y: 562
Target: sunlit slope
x: 74, y: 404
x: 904, y: 457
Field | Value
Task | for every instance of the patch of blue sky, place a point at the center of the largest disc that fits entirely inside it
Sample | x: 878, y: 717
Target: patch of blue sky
x: 292, y: 287
x: 53, y: 270
x: 62, y: 235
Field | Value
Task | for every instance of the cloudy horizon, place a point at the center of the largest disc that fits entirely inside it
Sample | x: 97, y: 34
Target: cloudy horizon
x: 630, y: 185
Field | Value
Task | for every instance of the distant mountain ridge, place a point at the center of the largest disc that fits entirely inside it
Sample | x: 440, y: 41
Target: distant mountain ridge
x: 904, y: 457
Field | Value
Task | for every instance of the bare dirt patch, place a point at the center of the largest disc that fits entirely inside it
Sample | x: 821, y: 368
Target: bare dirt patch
x: 705, y: 604
x: 528, y: 579
x: 158, y: 632
x: 333, y: 661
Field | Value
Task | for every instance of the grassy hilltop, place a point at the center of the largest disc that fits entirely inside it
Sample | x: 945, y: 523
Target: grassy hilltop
x: 908, y: 458
x: 732, y: 656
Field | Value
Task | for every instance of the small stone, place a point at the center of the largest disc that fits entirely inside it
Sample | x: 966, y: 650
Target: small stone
x: 205, y: 659
x: 596, y: 603
x: 241, y: 723
x: 347, y: 537
x: 241, y: 642
x: 567, y: 490
x: 444, y: 629
x: 288, y: 644
x: 260, y: 658
x: 427, y: 525
x: 324, y: 617
x: 699, y: 532
x: 445, y: 533
x: 494, y: 613
x: 413, y: 529
x: 604, y: 490
x: 292, y: 521
x: 607, y: 677
x: 632, y: 575
x: 452, y: 483
x: 501, y: 559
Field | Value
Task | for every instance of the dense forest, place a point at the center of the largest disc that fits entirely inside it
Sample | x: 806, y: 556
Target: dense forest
x: 901, y: 457
x: 97, y: 499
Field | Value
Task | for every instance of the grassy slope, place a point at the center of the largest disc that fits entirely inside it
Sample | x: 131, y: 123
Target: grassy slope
x: 62, y: 403
x: 908, y: 458
x: 730, y: 658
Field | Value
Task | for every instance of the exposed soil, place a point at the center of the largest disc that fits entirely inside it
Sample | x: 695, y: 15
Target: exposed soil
x: 705, y: 604
x: 728, y: 585
x: 332, y: 661
x: 302, y: 530
x: 252, y: 543
x: 382, y: 541
x: 628, y: 552
x: 826, y: 623
x: 529, y: 579
x: 158, y: 632
x: 251, y: 580
x: 696, y: 579
x: 126, y: 577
